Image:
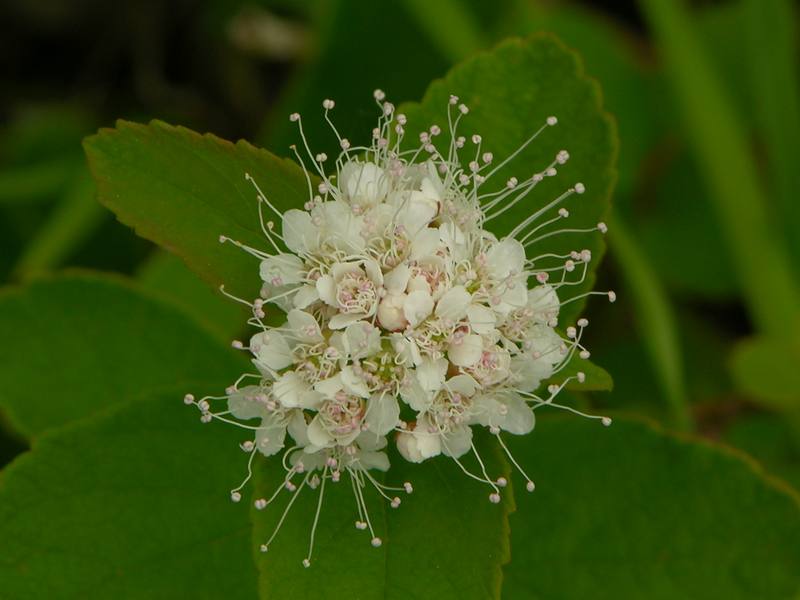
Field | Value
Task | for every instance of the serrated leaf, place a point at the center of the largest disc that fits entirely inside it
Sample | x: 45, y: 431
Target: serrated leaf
x: 510, y: 92
x: 446, y: 540
x: 183, y: 190
x: 629, y: 512
x: 133, y: 504
x: 80, y: 343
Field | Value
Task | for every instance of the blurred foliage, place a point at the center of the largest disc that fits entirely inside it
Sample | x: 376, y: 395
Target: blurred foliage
x: 704, y: 260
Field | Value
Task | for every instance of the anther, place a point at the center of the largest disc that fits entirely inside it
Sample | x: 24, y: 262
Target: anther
x: 530, y: 486
x: 376, y: 542
x: 494, y: 498
x: 260, y: 504
x: 606, y: 421
x: 579, y: 188
x: 188, y: 399
x: 501, y: 482
x: 235, y: 496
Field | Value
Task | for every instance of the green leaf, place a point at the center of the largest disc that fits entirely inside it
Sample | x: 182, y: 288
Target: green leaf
x: 629, y: 512
x: 446, y: 540
x: 167, y: 276
x: 80, y: 343
x: 335, y: 47
x: 771, y: 33
x: 73, y: 220
x: 132, y: 504
x: 511, y: 92
x: 721, y: 148
x: 183, y: 190
x: 767, y: 369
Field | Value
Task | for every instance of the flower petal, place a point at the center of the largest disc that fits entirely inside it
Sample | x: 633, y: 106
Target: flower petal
x: 467, y: 352
x: 417, y: 307
x: 454, y: 303
x: 383, y: 414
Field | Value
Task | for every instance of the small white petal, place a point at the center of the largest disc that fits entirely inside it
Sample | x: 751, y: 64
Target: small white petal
x: 299, y: 232
x: 272, y: 349
x: 457, y: 442
x: 454, y: 303
x: 467, y: 352
x: 317, y: 434
x: 382, y: 414
x: 352, y: 383
x: 326, y: 288
x: 481, y: 319
x: 431, y: 373
x: 418, y: 306
x: 243, y: 404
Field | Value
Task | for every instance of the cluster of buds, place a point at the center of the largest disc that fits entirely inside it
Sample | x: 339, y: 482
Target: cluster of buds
x: 406, y: 319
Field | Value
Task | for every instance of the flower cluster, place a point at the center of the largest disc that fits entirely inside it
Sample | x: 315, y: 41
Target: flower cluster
x: 406, y: 319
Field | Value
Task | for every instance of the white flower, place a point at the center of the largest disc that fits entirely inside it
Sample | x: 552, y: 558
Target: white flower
x: 363, y: 184
x: 353, y: 289
x: 406, y: 317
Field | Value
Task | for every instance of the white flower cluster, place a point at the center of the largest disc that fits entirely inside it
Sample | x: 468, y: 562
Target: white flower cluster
x: 406, y: 319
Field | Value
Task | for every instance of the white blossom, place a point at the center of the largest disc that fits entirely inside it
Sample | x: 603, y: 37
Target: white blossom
x: 406, y: 318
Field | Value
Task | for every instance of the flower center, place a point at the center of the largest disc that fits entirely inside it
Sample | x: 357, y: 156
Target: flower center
x: 356, y: 293
x: 343, y: 413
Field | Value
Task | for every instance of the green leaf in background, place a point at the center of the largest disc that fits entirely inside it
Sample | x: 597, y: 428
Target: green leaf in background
x: 655, y: 320
x: 132, y: 504
x: 763, y: 270
x: 167, y: 276
x: 183, y: 190
x: 771, y: 29
x: 76, y: 216
x: 769, y: 371
x: 511, y: 92
x: 446, y: 540
x: 677, y: 202
x: 629, y: 512
x: 80, y: 343
x: 358, y: 73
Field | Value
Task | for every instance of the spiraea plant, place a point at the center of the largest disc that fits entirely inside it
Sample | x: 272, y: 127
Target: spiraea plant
x: 399, y: 316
